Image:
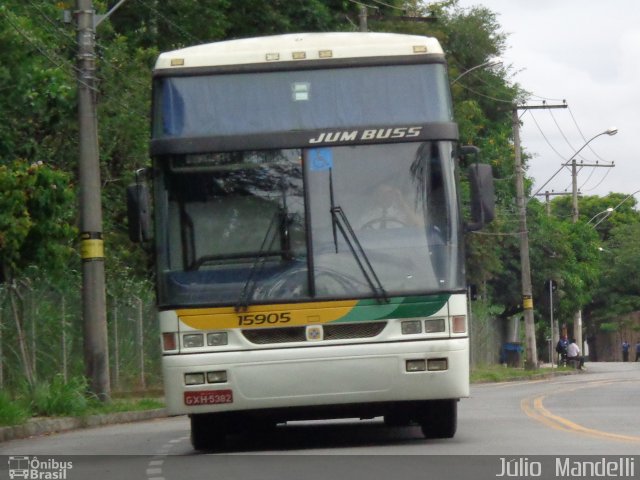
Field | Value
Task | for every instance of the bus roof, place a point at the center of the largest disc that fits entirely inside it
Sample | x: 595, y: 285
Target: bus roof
x: 298, y: 47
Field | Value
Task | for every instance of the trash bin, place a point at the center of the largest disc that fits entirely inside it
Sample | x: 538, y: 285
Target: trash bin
x: 512, y: 354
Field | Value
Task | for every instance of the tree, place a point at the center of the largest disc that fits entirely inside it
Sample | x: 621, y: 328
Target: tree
x: 619, y: 291
x: 35, y: 229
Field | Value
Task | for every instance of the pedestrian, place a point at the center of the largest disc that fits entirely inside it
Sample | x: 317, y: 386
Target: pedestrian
x: 573, y: 354
x: 561, y: 348
x: 625, y: 351
x: 638, y: 351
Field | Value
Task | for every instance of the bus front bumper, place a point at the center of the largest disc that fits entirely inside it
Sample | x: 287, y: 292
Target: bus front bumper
x: 316, y: 376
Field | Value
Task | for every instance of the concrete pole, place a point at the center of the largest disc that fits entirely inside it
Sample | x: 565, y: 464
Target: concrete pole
x: 531, y: 361
x: 577, y: 317
x: 91, y: 243
x: 363, y: 19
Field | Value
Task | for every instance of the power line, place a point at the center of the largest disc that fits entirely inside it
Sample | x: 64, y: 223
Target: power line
x: 374, y: 7
x: 600, y: 182
x: 60, y: 63
x: 387, y: 5
x: 573, y: 149
x: 171, y: 23
x: 510, y: 102
x: 583, y: 137
x: 535, y: 121
x: 546, y: 99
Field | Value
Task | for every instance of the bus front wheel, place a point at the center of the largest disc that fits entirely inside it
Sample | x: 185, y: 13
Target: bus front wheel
x: 207, y: 433
x: 439, y: 419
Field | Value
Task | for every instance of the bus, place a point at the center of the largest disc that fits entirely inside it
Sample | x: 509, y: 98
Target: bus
x: 307, y: 232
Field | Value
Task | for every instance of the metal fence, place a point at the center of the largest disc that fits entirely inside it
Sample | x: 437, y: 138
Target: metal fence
x: 485, y: 338
x: 41, y: 336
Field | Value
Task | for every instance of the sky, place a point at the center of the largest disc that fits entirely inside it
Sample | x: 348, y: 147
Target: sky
x: 586, y: 52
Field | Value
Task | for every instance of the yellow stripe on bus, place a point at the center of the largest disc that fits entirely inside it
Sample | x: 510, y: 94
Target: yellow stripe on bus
x: 256, y: 316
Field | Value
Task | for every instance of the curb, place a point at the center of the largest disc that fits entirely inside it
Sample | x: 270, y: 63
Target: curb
x: 46, y: 426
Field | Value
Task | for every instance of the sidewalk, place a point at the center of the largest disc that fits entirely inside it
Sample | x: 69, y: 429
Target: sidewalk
x: 43, y: 426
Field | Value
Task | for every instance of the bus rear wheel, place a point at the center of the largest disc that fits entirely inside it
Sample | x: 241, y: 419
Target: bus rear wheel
x: 207, y: 433
x: 440, y: 419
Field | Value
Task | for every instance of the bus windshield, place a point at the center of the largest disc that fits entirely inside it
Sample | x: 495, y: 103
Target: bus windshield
x: 261, y: 226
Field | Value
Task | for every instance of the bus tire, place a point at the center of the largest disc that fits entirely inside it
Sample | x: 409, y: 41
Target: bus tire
x: 440, y: 419
x: 397, y: 420
x: 206, y: 433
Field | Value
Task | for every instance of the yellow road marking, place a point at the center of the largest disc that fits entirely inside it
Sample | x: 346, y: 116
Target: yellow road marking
x: 534, y: 408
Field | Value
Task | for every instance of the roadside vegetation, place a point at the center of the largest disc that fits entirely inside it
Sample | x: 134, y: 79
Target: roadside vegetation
x: 60, y: 399
x: 499, y: 373
x: 596, y: 267
x: 64, y: 399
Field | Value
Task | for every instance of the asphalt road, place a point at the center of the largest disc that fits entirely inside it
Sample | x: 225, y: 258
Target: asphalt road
x: 590, y: 413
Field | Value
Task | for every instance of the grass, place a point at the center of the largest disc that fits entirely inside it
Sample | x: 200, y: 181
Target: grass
x: 58, y: 398
x: 11, y: 412
x: 498, y: 373
x: 126, y: 405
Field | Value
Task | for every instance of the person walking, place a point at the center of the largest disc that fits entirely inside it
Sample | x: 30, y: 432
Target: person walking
x: 625, y: 351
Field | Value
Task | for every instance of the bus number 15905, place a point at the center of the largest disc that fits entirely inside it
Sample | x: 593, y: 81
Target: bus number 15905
x: 263, y: 318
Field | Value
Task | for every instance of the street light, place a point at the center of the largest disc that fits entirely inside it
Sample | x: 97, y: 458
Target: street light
x: 610, y: 210
x: 574, y: 174
x: 577, y: 319
x: 492, y: 62
x: 606, y: 214
x: 608, y: 131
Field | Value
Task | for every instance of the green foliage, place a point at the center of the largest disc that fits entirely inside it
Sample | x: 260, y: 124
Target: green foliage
x: 619, y: 292
x: 38, y: 155
x: 11, y: 412
x: 609, y: 327
x: 35, y: 216
x: 498, y: 373
x: 59, y: 398
x: 122, y: 405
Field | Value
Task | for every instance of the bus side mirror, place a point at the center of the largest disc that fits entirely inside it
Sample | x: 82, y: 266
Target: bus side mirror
x: 139, y: 212
x: 482, y: 195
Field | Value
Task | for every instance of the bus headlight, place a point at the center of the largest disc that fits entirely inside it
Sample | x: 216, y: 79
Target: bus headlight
x: 411, y: 327
x: 418, y: 365
x: 193, y: 340
x: 434, y: 325
x: 219, y: 376
x: 194, y: 378
x: 217, y: 339
x: 437, y: 364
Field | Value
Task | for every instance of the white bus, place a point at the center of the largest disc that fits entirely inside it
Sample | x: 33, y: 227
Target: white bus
x: 308, y: 235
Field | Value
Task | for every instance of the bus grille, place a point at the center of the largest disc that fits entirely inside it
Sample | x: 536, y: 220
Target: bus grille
x: 347, y: 331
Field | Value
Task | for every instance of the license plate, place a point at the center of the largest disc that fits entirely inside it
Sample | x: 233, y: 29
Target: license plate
x: 208, y: 397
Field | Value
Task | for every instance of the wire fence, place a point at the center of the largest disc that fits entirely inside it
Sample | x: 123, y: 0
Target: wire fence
x: 41, y: 336
x: 485, y: 339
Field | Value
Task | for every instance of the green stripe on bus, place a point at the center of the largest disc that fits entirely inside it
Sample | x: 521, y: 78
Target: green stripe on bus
x: 398, y: 307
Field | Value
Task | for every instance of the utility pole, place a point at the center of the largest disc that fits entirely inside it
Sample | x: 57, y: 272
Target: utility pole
x: 362, y: 16
x: 555, y: 332
x: 531, y: 351
x: 577, y: 317
x: 547, y: 199
x: 96, y: 354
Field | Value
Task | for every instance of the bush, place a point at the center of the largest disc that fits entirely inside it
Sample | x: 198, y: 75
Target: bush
x: 59, y: 398
x: 11, y: 412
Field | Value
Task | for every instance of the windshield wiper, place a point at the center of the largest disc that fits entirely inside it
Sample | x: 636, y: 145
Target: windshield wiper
x: 258, y: 263
x: 342, y: 222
